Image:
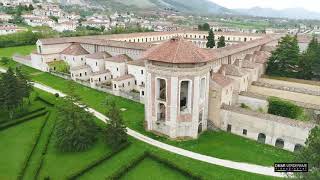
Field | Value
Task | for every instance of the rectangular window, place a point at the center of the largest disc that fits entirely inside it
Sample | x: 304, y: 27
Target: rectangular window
x: 142, y: 92
x: 141, y: 71
x: 244, y: 132
x: 229, y: 128
x: 162, y: 89
x: 115, y: 86
x: 185, y: 96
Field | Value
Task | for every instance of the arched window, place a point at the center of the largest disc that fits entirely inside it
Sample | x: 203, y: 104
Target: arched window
x: 298, y: 147
x: 279, y: 143
x: 261, y: 138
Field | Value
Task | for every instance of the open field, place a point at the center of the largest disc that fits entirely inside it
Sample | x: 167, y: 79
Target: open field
x: 22, y: 50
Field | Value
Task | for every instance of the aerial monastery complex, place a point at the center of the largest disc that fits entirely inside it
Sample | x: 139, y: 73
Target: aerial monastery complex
x: 186, y: 88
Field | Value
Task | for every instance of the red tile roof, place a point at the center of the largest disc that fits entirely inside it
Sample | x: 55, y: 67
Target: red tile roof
x: 221, y: 80
x: 75, y: 50
x: 122, y: 58
x: 177, y: 51
x: 99, y: 55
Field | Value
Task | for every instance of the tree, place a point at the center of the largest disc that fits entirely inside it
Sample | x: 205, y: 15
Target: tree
x: 205, y: 27
x: 116, y: 132
x: 304, y: 70
x: 284, y: 60
x: 12, y: 98
x: 310, y: 154
x: 5, y: 60
x: 211, y: 42
x: 24, y: 86
x: 75, y: 130
x: 221, y: 42
x: 313, y: 52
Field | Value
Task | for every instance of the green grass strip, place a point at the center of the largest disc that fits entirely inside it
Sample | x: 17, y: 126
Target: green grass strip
x: 26, y: 162
x: 98, y: 162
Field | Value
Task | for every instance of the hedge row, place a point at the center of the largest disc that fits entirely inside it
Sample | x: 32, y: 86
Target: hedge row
x: 45, y: 101
x: 35, y: 143
x: 45, y: 150
x: 22, y: 120
x: 22, y: 115
x: 98, y: 162
x: 284, y: 108
x: 125, y: 169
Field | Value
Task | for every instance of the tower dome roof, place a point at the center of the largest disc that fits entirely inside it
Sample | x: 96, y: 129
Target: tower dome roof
x: 177, y: 51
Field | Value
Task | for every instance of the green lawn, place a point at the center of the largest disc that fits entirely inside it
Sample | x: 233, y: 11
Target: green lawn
x: 21, y: 50
x: 156, y: 171
x: 15, y: 144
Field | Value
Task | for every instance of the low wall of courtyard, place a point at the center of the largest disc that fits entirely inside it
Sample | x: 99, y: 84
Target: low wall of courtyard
x: 271, y: 128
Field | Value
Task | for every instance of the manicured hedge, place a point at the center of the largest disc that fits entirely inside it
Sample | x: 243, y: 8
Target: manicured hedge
x: 35, y: 143
x: 125, y: 169
x: 45, y: 101
x: 22, y: 115
x: 98, y: 162
x: 22, y: 120
x: 45, y: 150
x: 284, y: 108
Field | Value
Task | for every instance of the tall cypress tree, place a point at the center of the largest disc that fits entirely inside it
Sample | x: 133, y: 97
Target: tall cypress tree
x: 221, y: 42
x: 211, y: 42
x: 314, y: 53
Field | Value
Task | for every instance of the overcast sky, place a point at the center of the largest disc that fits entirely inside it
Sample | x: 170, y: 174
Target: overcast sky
x: 312, y: 5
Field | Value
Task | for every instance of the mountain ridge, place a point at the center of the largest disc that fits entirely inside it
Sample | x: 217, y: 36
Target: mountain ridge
x: 291, y: 13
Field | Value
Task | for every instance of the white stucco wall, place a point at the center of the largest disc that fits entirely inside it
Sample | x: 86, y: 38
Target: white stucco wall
x: 273, y: 130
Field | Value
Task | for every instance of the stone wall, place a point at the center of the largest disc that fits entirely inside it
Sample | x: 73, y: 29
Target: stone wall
x: 250, y: 124
x: 287, y: 88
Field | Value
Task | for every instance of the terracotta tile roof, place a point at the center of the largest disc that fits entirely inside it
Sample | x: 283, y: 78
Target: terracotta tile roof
x: 221, y: 80
x: 139, y: 62
x: 76, y: 68
x: 122, y: 58
x: 232, y: 49
x: 177, y: 51
x: 122, y: 78
x: 96, y: 41
x: 99, y: 55
x: 261, y: 56
x: 231, y: 70
x: 246, y: 64
x: 267, y: 48
x: 75, y: 50
x: 100, y: 72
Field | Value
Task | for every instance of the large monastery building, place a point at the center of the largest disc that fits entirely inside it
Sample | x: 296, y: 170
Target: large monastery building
x: 186, y: 88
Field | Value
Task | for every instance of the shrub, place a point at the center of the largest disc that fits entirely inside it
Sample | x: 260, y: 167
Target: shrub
x: 56, y: 95
x: 284, y: 108
x: 76, y: 130
x: 116, y: 132
x: 244, y: 106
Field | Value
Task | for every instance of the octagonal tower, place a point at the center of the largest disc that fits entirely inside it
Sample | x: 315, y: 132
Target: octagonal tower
x: 177, y: 89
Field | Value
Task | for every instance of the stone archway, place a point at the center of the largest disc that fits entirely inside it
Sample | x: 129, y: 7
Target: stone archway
x: 297, y: 148
x: 279, y: 143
